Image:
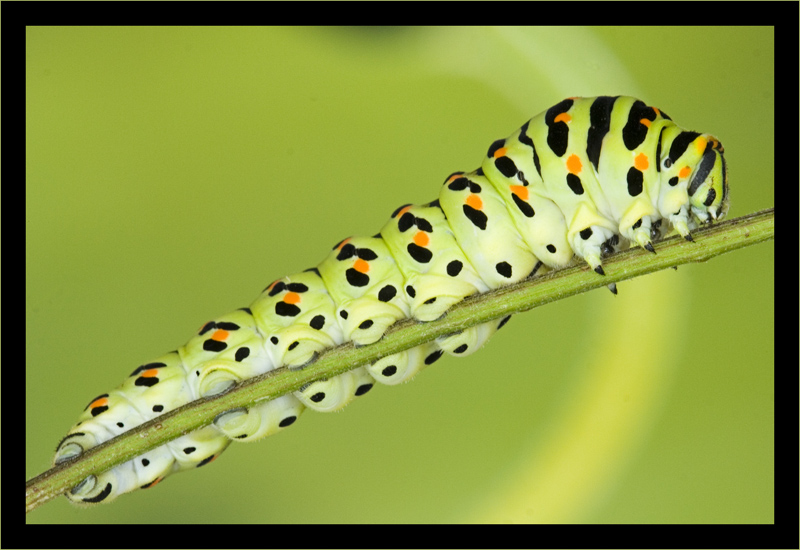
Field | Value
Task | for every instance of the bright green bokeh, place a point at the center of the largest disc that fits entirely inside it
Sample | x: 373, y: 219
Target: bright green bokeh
x: 172, y: 173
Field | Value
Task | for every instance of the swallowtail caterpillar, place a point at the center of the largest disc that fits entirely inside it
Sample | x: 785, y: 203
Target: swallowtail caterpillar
x: 585, y: 178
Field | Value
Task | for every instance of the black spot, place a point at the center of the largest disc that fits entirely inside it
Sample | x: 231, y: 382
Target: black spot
x: 586, y: 233
x: 458, y: 184
x: 317, y: 322
x: 410, y: 291
x: 366, y: 324
x: 214, y: 346
x: 146, y: 381
x: 242, y: 353
x: 454, y: 268
x: 405, y: 222
x: 387, y: 293
x: 318, y: 397
x: 293, y: 345
x: 460, y: 349
x: 279, y: 287
x: 504, y: 269
x: 712, y: 194
x: 389, y: 371
x: 419, y: 254
x: 286, y: 310
x: 424, y: 225
x: 343, y: 314
x: 524, y: 207
x: 346, y: 252
x: 367, y: 254
x: 635, y: 182
x: 477, y: 217
x: 506, y: 166
x: 574, y: 183
x: 362, y: 389
x: 206, y: 461
x: 288, y: 421
x: 433, y: 357
x: 356, y: 278
x: 297, y: 287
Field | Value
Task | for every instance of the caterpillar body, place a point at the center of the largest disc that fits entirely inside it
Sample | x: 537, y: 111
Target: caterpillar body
x: 585, y: 178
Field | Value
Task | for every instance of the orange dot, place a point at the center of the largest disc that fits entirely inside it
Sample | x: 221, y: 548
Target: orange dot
x: 700, y: 143
x: 520, y: 190
x: 102, y: 402
x: 291, y: 298
x: 684, y: 173
x: 454, y: 177
x: 344, y: 242
x: 562, y: 117
x: 475, y: 202
x: 641, y: 162
x: 421, y: 238
x: 403, y: 210
x: 574, y: 164
x: 501, y: 152
x: 220, y: 335
x: 362, y: 266
x: 150, y: 373
x: 645, y: 122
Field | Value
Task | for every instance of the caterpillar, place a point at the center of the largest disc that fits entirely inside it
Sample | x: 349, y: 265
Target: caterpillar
x: 583, y: 179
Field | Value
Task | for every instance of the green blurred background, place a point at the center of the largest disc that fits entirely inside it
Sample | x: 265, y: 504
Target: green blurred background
x: 173, y: 172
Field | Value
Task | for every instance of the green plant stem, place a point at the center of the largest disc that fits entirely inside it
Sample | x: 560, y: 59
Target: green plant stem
x: 523, y: 296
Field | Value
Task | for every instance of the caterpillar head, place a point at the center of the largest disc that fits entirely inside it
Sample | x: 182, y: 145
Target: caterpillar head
x: 694, y: 179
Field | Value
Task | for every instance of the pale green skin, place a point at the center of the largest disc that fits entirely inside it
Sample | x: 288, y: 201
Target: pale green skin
x: 510, y: 247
